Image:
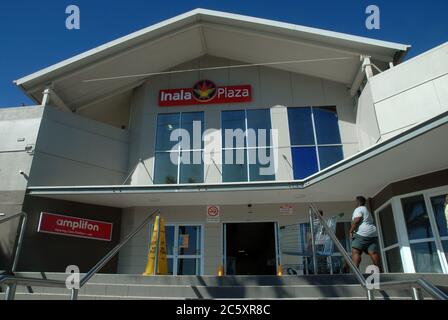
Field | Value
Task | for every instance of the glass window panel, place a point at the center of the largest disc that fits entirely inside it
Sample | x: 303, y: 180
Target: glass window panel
x: 393, y: 260
x: 188, y: 267
x: 304, y: 161
x: 327, y: 127
x: 191, y: 167
x: 169, y: 236
x: 416, y: 217
x: 165, y: 171
x: 189, y: 240
x: 440, y: 208
x: 425, y: 257
x: 233, y: 120
x: 234, y: 170
x: 387, y: 223
x: 259, y: 120
x: 300, y: 126
x: 329, y: 156
x: 187, y: 122
x: 166, y: 124
x: 264, y: 168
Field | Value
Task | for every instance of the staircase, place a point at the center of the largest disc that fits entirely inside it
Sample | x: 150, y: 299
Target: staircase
x: 136, y: 287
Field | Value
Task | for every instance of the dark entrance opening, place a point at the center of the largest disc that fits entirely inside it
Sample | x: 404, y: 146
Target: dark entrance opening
x: 250, y: 249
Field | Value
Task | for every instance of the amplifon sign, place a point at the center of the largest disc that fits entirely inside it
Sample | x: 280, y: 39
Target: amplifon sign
x: 205, y: 92
x: 75, y: 227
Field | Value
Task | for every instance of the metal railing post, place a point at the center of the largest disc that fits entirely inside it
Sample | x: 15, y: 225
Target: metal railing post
x: 370, y: 295
x: 313, y: 244
x: 417, y: 293
x: 18, y: 248
x: 11, y: 291
x: 74, y: 294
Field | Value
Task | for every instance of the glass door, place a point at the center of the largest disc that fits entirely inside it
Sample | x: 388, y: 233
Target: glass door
x: 184, y: 249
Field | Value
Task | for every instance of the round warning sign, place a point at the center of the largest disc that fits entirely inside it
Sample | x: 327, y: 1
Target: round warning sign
x: 213, y: 213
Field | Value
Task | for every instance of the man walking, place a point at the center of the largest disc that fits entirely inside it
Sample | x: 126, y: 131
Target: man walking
x: 364, y: 235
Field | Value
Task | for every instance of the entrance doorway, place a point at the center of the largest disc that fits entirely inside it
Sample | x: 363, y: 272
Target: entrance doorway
x: 184, y: 249
x: 250, y: 248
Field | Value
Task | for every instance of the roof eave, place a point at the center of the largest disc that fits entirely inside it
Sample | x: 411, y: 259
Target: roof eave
x: 200, y: 14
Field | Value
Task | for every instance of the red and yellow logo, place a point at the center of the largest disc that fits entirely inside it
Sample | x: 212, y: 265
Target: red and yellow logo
x: 204, y: 91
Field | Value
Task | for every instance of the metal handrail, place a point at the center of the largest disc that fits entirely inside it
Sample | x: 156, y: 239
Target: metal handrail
x: 18, y: 245
x: 427, y: 286
x: 11, y: 289
x: 110, y: 255
x: 12, y: 280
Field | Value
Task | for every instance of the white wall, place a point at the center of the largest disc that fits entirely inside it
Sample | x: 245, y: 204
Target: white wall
x: 403, y: 96
x: 133, y: 257
x: 272, y: 88
x: 72, y: 150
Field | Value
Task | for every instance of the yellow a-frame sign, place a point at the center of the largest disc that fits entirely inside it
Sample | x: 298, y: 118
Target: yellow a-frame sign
x: 157, y: 262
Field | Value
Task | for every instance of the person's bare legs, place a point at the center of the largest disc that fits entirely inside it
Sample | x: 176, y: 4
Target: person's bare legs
x: 376, y: 260
x: 356, y: 257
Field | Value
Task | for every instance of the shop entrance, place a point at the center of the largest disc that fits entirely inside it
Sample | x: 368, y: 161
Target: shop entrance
x: 250, y: 248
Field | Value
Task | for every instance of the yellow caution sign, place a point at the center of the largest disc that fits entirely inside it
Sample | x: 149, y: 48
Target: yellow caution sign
x: 157, y: 262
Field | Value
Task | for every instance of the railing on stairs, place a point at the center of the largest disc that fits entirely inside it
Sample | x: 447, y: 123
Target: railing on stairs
x: 17, y: 247
x: 416, y: 285
x: 12, y: 281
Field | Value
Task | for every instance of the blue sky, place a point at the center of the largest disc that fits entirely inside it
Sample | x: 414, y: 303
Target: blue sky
x: 33, y: 33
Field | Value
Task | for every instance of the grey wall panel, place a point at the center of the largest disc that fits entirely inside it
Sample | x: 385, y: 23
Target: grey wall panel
x: 72, y: 150
x: 53, y: 253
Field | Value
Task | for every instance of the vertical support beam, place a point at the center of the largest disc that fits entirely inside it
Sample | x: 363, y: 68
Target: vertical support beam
x: 367, y: 66
x: 46, y: 97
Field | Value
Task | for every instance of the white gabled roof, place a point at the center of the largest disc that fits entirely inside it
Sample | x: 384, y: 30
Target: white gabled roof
x: 199, y: 32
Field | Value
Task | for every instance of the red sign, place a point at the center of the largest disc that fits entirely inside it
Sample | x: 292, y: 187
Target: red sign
x: 75, y: 227
x: 205, y: 92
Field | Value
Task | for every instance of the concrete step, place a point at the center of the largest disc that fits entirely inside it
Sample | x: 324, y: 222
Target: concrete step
x: 136, y: 287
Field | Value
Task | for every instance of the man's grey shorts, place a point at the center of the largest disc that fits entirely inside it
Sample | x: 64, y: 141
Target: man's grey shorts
x: 365, y: 244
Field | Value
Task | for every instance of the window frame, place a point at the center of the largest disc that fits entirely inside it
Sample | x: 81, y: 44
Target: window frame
x: 179, y: 150
x: 316, y: 144
x: 402, y: 232
x: 247, y: 144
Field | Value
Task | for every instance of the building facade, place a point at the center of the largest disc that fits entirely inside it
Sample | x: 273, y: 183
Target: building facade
x: 278, y: 116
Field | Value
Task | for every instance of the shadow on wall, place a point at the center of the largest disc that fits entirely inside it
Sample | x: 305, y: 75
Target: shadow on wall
x: 8, y: 234
x: 43, y: 252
